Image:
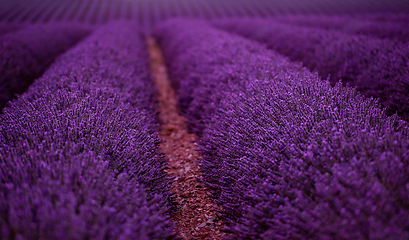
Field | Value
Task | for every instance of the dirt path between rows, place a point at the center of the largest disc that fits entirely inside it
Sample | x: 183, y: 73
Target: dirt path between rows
x: 197, y: 216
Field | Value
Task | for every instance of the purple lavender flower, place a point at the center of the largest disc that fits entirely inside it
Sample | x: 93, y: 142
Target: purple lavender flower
x: 394, y: 30
x: 287, y: 155
x: 378, y: 68
x: 79, y: 149
x: 26, y: 54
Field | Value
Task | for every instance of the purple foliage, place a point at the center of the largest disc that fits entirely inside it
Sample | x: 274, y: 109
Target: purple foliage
x: 378, y: 68
x: 287, y: 155
x: 79, y: 149
x: 303, y: 160
x: 26, y: 54
x: 385, y: 30
x: 194, y: 81
x: 74, y: 196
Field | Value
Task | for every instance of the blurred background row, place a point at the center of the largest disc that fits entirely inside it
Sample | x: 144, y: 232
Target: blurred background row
x: 150, y: 12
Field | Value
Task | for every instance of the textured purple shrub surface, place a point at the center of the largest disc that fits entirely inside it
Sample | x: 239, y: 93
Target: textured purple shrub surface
x: 27, y: 53
x: 385, y: 30
x: 378, y: 68
x: 193, y: 69
x: 79, y: 149
x: 287, y: 155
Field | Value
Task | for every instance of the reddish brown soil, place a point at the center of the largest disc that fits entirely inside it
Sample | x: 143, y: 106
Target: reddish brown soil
x: 197, y: 217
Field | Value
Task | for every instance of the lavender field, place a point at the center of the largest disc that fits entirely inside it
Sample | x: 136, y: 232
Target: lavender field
x: 187, y: 119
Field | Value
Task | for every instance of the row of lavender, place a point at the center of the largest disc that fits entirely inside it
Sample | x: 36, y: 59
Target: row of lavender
x: 287, y: 155
x: 384, y: 28
x: 79, y: 149
x: 150, y: 12
x: 377, y: 67
x: 26, y: 52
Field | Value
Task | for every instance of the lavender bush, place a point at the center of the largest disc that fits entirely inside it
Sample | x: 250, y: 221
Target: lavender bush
x: 385, y: 30
x: 193, y: 69
x: 79, y: 149
x: 287, y: 155
x: 303, y: 160
x: 378, y: 68
x: 26, y: 54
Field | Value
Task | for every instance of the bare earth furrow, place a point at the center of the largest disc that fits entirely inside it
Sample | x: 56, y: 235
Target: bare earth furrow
x: 197, y: 216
